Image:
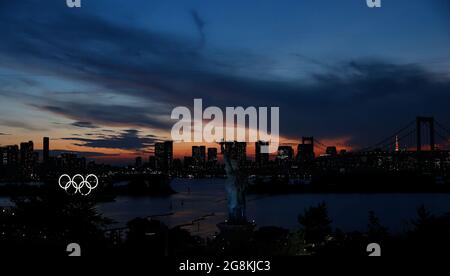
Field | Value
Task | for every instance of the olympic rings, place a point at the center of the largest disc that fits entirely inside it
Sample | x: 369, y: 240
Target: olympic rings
x: 78, y: 182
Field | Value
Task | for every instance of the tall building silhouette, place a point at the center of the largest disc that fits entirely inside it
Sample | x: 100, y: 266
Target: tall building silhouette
x: 168, y: 151
x: 159, y: 155
x: 212, y: 154
x: 164, y: 155
x: 9, y: 155
x: 27, y: 157
x: 199, y: 155
x: 46, y: 150
x: 261, y: 158
x: 138, y: 162
x: 236, y: 150
x: 305, y: 150
x: 152, y: 162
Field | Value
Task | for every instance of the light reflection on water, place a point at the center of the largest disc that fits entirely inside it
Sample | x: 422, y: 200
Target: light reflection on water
x: 196, y: 199
x: 207, y: 196
x: 205, y: 200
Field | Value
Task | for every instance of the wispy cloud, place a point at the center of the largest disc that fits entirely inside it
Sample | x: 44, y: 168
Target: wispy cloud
x: 361, y: 98
x: 84, y: 124
x: 127, y: 140
x: 20, y: 124
x: 200, y: 25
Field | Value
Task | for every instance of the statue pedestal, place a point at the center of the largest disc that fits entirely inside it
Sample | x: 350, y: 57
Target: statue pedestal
x: 236, y: 231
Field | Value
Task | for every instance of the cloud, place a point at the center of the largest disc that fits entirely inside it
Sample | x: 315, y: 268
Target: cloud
x: 19, y: 124
x: 84, y: 124
x: 88, y: 115
x: 360, y: 98
x: 200, y: 25
x: 127, y: 140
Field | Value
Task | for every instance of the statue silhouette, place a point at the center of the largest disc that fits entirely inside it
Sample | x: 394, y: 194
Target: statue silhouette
x: 235, y: 184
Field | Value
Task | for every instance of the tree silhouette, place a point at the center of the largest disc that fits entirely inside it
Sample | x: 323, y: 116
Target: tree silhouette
x: 47, y: 224
x: 376, y: 232
x: 316, y: 223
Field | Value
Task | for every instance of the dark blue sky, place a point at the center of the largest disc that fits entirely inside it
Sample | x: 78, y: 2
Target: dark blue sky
x: 106, y: 76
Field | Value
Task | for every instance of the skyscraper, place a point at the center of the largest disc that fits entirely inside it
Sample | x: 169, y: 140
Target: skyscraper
x: 152, y: 162
x: 138, y: 162
x: 212, y: 154
x: 9, y: 155
x: 46, y: 150
x: 164, y: 155
x: 27, y: 157
x: 236, y: 150
x: 305, y: 150
x: 168, y: 152
x: 199, y: 155
x: 26, y: 151
x: 159, y: 155
x: 3, y: 156
x: 260, y: 157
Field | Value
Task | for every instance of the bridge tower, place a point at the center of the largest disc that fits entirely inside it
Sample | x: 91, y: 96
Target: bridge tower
x: 420, y: 121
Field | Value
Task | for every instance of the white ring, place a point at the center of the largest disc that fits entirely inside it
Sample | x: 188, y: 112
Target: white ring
x: 80, y: 185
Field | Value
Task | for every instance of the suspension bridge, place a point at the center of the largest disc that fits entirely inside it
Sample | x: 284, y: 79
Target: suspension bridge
x: 420, y: 134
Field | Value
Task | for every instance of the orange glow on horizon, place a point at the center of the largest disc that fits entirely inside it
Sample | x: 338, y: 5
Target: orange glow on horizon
x: 181, y: 149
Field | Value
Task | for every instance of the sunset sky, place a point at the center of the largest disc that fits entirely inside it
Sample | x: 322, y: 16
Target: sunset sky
x: 104, y: 78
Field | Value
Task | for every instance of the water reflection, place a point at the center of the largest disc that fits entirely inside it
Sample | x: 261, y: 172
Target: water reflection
x: 200, y: 204
x: 204, y: 203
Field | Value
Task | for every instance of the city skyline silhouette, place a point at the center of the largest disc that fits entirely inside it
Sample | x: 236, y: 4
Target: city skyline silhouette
x: 113, y: 96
